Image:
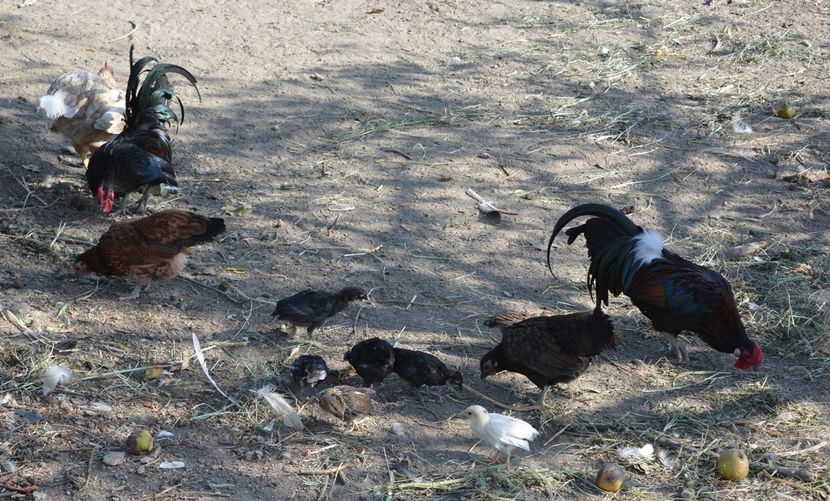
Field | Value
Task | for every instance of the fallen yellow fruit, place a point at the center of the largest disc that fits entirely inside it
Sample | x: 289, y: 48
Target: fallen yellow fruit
x: 610, y: 477
x: 733, y: 465
x: 140, y: 443
x: 784, y: 110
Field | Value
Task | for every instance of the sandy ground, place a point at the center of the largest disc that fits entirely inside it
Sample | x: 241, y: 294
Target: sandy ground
x: 338, y: 139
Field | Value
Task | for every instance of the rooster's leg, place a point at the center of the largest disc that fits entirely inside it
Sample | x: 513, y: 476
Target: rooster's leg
x: 541, y: 403
x: 124, y: 207
x: 141, y: 205
x: 678, y: 347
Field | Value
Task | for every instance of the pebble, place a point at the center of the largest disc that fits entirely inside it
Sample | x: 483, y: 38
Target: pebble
x: 114, y: 458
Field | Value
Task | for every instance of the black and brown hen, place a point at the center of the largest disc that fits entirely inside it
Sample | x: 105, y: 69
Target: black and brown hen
x: 309, y: 309
x: 139, y: 158
x: 422, y: 369
x: 675, y: 294
x: 373, y: 359
x: 308, y: 370
x: 550, y: 350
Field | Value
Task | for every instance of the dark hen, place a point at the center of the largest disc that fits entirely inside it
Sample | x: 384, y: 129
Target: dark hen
x: 139, y: 159
x: 309, y: 309
x: 309, y: 370
x: 373, y: 359
x: 675, y: 294
x: 550, y: 350
x: 422, y: 369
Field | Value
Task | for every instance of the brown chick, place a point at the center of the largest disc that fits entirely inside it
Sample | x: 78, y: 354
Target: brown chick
x: 550, y: 350
x: 153, y: 248
x: 346, y: 402
x: 87, y: 108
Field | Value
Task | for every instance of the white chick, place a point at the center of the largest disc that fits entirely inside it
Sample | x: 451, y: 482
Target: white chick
x: 504, y: 433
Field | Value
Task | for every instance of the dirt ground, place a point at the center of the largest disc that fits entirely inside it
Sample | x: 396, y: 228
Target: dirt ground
x: 338, y: 140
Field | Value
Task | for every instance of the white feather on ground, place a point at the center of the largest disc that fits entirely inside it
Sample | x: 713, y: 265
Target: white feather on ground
x: 504, y: 433
x: 630, y: 452
x: 197, y: 347
x: 280, y: 406
x: 53, y: 376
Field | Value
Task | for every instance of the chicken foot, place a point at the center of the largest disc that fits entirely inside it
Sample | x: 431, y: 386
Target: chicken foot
x: 141, y: 206
x: 678, y: 347
x: 136, y: 293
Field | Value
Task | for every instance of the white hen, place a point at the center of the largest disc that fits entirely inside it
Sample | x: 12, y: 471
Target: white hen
x: 504, y: 433
x: 87, y: 108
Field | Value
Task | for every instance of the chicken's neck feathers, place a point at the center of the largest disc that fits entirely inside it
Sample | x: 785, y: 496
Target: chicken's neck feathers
x: 649, y: 247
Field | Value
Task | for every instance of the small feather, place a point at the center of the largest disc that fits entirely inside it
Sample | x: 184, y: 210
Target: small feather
x: 280, y: 406
x: 197, y: 347
x: 53, y: 376
x: 644, y: 452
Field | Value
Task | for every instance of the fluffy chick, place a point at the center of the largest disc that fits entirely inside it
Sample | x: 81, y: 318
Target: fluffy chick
x: 504, y: 433
x: 419, y: 369
x: 373, y: 359
x: 309, y: 309
x: 346, y: 402
x: 308, y: 370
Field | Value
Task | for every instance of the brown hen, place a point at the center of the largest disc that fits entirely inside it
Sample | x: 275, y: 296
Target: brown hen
x: 150, y: 249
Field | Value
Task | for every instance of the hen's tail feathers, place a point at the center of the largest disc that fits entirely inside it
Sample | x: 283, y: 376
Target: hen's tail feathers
x: 147, y: 104
x: 54, y: 105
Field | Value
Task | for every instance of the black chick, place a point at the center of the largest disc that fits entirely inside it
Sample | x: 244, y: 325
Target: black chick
x: 310, y: 308
x: 372, y: 359
x: 309, y: 370
x: 419, y: 369
x: 550, y: 350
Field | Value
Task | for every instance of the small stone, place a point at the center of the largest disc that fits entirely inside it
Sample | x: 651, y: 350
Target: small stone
x: 254, y: 455
x: 285, y: 455
x: 114, y: 458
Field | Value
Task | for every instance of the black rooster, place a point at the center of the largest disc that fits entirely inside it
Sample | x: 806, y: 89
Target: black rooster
x: 373, y: 359
x: 309, y: 370
x: 675, y: 294
x: 310, y: 308
x: 139, y: 159
x: 549, y: 350
x: 419, y: 369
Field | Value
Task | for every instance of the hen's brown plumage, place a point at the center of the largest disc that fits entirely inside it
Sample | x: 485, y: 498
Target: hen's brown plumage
x: 550, y: 350
x: 153, y: 248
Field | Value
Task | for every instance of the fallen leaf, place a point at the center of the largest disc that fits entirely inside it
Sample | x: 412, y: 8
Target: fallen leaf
x: 375, y: 10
